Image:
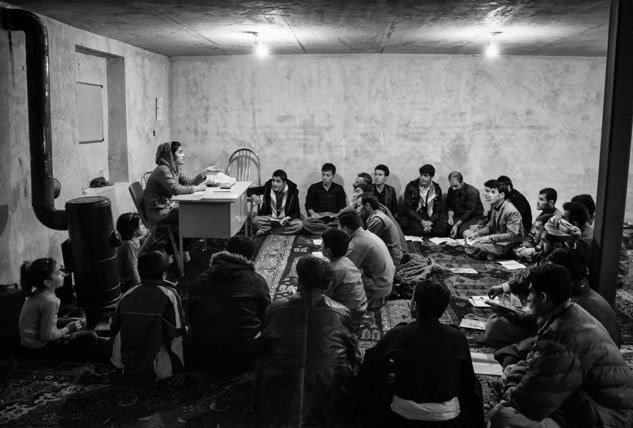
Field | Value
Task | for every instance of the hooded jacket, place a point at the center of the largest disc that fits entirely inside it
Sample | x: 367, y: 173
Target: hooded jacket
x: 166, y: 181
x: 226, y: 308
x: 291, y: 194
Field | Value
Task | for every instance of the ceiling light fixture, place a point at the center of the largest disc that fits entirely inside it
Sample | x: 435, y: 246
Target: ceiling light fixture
x: 493, y: 50
x: 260, y: 50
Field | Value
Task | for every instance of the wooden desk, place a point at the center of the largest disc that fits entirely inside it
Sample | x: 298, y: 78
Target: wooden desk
x: 214, y: 213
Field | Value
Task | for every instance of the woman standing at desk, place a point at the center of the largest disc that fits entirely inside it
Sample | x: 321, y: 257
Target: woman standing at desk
x: 166, y: 181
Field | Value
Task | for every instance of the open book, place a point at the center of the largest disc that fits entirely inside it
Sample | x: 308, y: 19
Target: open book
x: 327, y: 216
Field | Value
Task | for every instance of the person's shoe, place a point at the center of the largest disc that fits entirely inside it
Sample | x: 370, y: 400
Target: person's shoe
x: 261, y: 233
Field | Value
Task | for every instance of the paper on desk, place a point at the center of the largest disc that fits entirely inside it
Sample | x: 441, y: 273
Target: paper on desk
x: 317, y: 241
x: 473, y: 324
x: 485, y: 364
x: 413, y: 238
x: 511, y: 264
x: 319, y: 255
x: 479, y: 301
x: 464, y: 270
x: 220, y: 178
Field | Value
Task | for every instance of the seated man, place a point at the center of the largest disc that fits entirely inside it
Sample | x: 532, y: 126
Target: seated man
x: 531, y: 249
x: 226, y: 308
x: 378, y: 223
x: 587, y: 236
x: 347, y: 284
x: 148, y: 325
x: 546, y: 201
x: 463, y: 204
x: 422, y: 210
x: 503, y: 231
x: 385, y: 194
x: 362, y: 177
x: 434, y: 377
x: 518, y: 200
x: 371, y: 257
x: 574, y: 375
x: 280, y: 210
x: 306, y: 354
x: 512, y: 335
x: 323, y: 202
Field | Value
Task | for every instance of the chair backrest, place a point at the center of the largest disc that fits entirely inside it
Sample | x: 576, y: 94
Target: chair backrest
x: 145, y: 177
x: 244, y: 165
x: 136, y: 191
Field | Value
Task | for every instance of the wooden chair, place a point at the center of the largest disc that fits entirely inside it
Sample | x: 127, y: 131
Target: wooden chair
x: 244, y: 165
x: 136, y: 191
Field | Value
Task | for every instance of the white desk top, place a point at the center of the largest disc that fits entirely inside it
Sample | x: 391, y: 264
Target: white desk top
x: 215, y: 194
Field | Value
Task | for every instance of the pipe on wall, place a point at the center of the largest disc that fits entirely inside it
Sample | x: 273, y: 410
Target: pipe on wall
x: 38, y: 91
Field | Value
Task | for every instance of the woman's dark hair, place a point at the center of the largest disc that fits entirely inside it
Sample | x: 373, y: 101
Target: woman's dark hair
x: 33, y: 274
x: 127, y: 224
x: 175, y: 145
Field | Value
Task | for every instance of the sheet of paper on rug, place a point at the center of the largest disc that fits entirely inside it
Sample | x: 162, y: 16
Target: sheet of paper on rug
x: 479, y: 301
x: 440, y: 241
x: 485, y: 364
x: 511, y: 264
x: 413, y: 238
x: 473, y: 324
x: 464, y: 270
x: 457, y: 242
x: 319, y: 255
x: 317, y: 242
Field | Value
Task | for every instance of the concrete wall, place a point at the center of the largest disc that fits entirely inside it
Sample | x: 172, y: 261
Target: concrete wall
x: 146, y: 78
x: 535, y: 119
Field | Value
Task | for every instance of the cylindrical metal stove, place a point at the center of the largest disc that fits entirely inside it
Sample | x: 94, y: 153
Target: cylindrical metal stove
x: 95, y: 268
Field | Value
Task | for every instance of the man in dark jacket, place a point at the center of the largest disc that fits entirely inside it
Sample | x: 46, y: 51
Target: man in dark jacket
x: 280, y: 210
x: 435, y: 384
x: 422, y: 211
x: 385, y: 193
x: 226, y: 308
x: 463, y: 205
x: 324, y: 201
x: 574, y: 375
x: 306, y: 354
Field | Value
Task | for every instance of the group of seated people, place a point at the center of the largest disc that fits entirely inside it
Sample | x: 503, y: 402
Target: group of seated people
x: 562, y: 365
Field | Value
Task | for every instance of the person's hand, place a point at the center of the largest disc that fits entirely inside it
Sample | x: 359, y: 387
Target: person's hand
x: 73, y: 326
x: 508, y: 394
x: 454, y: 231
x: 200, y: 188
x: 284, y: 221
x: 451, y: 221
x: 313, y: 214
x: 256, y: 199
x: 495, y: 290
x: 212, y: 169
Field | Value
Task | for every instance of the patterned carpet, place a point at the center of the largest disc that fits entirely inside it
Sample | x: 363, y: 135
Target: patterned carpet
x: 44, y: 393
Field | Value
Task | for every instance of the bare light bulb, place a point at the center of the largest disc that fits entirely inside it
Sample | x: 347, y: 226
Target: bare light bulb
x: 492, y: 50
x: 261, y: 50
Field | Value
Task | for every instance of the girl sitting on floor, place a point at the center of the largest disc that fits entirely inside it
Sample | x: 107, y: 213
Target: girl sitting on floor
x: 41, y: 332
x: 131, y: 230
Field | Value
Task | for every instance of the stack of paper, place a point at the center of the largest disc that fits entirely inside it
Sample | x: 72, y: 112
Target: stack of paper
x: 464, y: 270
x: 511, y: 264
x: 473, y: 324
x: 319, y: 255
x: 317, y: 242
x: 413, y: 238
x: 485, y: 364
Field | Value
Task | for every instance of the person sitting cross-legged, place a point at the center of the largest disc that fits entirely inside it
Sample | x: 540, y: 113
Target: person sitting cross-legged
x: 306, y: 355
x: 371, y: 256
x: 280, y: 210
x: 422, y: 211
x: 463, y: 205
x: 347, y: 284
x: 435, y: 385
x: 226, y: 308
x: 385, y: 193
x: 503, y: 231
x: 574, y: 376
x: 324, y: 201
x: 148, y: 325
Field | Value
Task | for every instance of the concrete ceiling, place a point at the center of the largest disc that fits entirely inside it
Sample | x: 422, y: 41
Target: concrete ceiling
x: 212, y: 27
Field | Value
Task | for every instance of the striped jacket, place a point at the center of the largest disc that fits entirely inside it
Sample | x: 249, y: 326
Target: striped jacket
x: 148, y: 328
